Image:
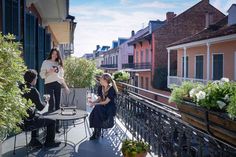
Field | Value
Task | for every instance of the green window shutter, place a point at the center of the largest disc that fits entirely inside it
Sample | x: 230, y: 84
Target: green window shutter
x: 40, y: 56
x: 47, y: 44
x: 12, y: 17
x: 30, y: 41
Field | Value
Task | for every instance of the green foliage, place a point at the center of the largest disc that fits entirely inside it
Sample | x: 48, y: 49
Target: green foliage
x: 218, y: 95
x: 79, y: 73
x: 131, y: 148
x: 231, y: 108
x: 181, y: 92
x: 12, y: 106
x: 121, y: 75
x: 160, y: 78
x: 99, y: 72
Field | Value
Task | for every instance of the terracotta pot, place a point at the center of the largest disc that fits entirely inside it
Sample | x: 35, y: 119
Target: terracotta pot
x: 217, y: 124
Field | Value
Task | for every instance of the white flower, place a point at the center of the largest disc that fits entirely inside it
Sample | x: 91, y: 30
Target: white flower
x: 225, y: 79
x: 192, y: 92
x: 200, y: 95
x: 221, y: 104
x: 226, y: 98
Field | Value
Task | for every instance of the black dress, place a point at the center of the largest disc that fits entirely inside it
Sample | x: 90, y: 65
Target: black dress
x: 102, y: 116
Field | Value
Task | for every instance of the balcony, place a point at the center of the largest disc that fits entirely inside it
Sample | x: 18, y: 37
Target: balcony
x: 140, y: 118
x: 178, y: 80
x: 109, y: 66
x: 137, y: 66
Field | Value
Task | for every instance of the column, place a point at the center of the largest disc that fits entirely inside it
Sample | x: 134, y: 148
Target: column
x: 208, y: 61
x: 185, y: 64
x: 168, y: 75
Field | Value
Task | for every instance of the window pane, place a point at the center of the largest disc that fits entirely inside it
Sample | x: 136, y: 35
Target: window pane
x: 137, y: 56
x: 217, y: 66
x: 147, y: 56
x: 199, y: 67
x: 142, y: 57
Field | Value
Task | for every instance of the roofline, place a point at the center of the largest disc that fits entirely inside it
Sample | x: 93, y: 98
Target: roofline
x: 204, y: 42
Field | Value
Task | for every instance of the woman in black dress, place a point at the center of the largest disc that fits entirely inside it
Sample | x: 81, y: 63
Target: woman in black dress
x: 102, y: 115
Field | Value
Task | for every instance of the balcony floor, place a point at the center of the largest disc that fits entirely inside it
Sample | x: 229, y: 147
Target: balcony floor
x: 108, y: 146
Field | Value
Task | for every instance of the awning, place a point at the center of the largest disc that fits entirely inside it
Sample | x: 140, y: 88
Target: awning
x: 61, y: 31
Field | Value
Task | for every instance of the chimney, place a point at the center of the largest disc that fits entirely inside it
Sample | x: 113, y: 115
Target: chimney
x: 206, y: 1
x: 232, y: 15
x: 98, y: 46
x: 132, y: 33
x: 170, y: 15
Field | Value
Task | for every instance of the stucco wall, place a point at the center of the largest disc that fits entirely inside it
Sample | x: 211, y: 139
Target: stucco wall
x: 228, y: 50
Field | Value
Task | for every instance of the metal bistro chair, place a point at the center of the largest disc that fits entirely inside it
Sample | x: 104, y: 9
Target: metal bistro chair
x: 26, y: 130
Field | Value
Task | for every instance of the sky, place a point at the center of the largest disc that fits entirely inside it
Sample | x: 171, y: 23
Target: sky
x: 99, y: 22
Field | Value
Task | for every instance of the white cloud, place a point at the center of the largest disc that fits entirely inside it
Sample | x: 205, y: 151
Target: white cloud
x: 102, y: 26
x: 155, y: 4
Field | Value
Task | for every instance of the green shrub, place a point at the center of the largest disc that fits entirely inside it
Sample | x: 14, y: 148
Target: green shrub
x: 79, y: 73
x: 12, y: 106
x: 121, y: 76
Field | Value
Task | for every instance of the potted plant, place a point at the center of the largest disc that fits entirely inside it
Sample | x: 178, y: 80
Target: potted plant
x: 121, y: 76
x: 132, y: 148
x: 210, y: 107
x: 12, y: 106
x: 79, y: 75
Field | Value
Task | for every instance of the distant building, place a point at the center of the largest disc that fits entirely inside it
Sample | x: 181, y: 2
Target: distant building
x: 98, y: 55
x: 207, y: 55
x: 112, y: 60
x: 88, y: 56
x: 188, y: 23
x: 141, y: 68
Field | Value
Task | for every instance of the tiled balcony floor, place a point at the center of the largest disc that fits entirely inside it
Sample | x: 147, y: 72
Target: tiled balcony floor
x: 108, y: 146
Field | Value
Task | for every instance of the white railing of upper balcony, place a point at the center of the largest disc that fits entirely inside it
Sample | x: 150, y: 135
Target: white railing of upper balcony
x: 178, y: 80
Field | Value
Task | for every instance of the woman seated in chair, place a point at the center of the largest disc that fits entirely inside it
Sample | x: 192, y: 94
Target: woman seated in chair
x: 102, y: 115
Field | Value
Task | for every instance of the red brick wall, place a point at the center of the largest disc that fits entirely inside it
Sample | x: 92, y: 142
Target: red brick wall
x: 186, y: 24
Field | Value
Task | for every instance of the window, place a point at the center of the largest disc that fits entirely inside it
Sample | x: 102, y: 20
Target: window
x: 147, y: 83
x: 186, y: 66
x: 130, y: 59
x: 11, y: 17
x: 141, y: 82
x: 199, y: 67
x: 113, y: 60
x: 116, y: 59
x: 142, y: 57
x: 137, y: 57
x: 147, y: 56
x: 217, y: 66
x: 30, y: 41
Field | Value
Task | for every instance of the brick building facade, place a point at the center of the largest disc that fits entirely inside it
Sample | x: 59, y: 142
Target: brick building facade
x: 178, y: 27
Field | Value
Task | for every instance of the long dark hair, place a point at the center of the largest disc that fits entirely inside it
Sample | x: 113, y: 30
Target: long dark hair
x: 59, y: 60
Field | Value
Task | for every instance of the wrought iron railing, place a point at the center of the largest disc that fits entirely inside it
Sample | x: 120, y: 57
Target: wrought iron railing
x: 137, y: 65
x: 109, y: 66
x: 162, y: 127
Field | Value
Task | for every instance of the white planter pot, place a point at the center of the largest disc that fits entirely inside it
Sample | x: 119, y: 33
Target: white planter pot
x: 77, y: 97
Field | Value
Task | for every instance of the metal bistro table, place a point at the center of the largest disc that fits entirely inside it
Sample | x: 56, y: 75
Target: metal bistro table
x: 65, y: 119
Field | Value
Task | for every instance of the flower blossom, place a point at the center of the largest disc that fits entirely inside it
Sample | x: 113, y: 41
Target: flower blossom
x: 200, y: 95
